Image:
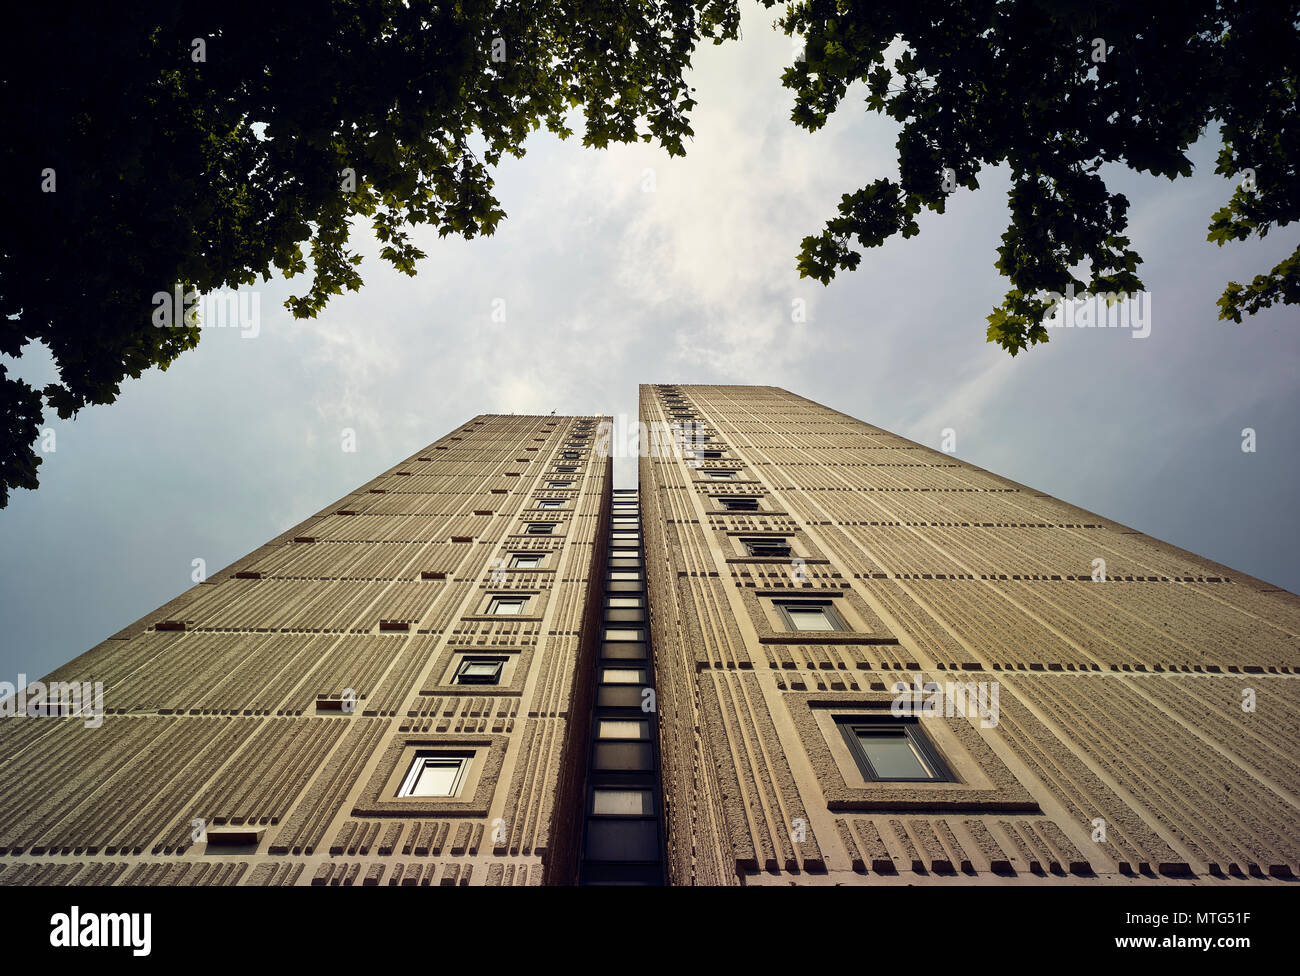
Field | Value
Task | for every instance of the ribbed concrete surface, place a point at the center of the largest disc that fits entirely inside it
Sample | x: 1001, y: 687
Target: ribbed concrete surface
x: 224, y: 704
x: 1120, y: 701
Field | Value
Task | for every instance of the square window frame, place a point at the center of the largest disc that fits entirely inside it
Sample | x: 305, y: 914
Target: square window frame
x: 469, y: 660
x: 983, y: 782
x: 911, y: 728
x: 750, y: 542
x: 497, y: 599
x: 828, y: 607
x: 420, y: 760
x: 379, y: 799
x: 723, y: 503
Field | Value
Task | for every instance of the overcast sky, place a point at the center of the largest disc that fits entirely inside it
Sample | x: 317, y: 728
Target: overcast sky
x: 605, y: 286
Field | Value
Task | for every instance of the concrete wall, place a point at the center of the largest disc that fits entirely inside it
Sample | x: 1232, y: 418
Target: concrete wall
x: 224, y: 705
x: 1148, y: 726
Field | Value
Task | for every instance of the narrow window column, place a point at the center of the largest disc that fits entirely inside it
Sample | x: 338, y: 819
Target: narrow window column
x: 622, y: 840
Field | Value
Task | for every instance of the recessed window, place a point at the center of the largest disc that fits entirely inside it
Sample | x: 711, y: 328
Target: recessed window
x: 623, y: 676
x: 810, y: 616
x: 622, y: 803
x: 625, y: 577
x: 566, y: 468
x: 708, y: 455
x: 737, y: 504
x: 541, y: 528
x: 622, y: 634
x: 623, y: 728
x: 559, y: 484
x: 507, y: 606
x: 720, y: 475
x: 522, y: 561
x: 761, y: 546
x: 550, y: 503
x: 623, y: 601
x: 480, y: 671
x: 571, y: 455
x: 892, y: 750
x: 435, y: 774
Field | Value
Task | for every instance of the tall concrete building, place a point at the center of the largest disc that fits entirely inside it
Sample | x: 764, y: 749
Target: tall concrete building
x: 804, y: 651
x: 879, y: 664
x: 395, y: 691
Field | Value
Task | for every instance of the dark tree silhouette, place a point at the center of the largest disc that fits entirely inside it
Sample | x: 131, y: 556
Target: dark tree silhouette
x: 152, y: 145
x: 1054, y: 89
x: 199, y: 145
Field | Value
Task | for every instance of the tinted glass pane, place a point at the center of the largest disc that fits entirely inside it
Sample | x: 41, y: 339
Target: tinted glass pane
x: 621, y: 803
x: 620, y: 633
x: 615, y: 728
x: 892, y: 755
x: 613, y: 840
x: 623, y: 756
x: 436, y: 778
x: 809, y: 618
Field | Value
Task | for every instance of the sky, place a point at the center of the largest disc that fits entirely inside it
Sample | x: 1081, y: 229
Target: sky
x: 624, y: 266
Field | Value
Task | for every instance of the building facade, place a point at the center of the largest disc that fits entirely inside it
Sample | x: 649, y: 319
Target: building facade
x: 388, y: 693
x: 878, y: 664
x: 806, y: 650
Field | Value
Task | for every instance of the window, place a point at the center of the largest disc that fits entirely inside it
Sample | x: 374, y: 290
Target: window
x: 559, y: 484
x: 623, y: 728
x: 541, y: 528
x: 719, y: 475
x: 622, y: 633
x: 892, y: 750
x: 622, y: 803
x: 571, y: 455
x: 550, y: 503
x: 566, y: 468
x: 507, y: 606
x: 625, y: 577
x: 737, y: 504
x: 709, y: 455
x: 619, y: 602
x: 774, y: 546
x: 480, y: 671
x: 523, y: 561
x: 807, y: 615
x: 435, y: 774
x: 623, y: 676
